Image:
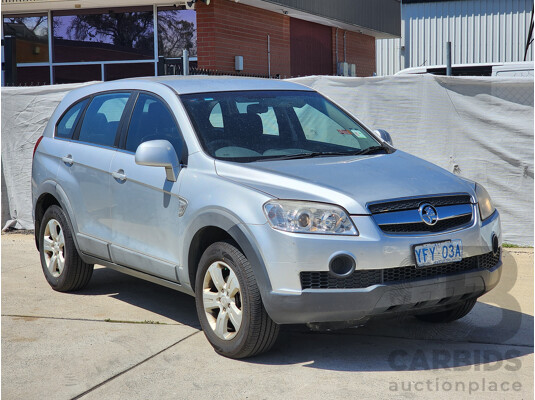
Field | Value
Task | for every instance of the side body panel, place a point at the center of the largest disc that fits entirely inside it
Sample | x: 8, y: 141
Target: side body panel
x: 145, y: 221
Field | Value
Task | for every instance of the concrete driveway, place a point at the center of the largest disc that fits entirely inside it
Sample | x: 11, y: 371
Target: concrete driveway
x: 123, y: 338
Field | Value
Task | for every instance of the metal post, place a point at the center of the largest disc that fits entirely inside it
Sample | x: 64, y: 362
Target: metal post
x: 155, y: 38
x: 345, y: 59
x: 269, y: 57
x: 185, y: 62
x: 336, y: 46
x: 448, y: 58
x: 50, y: 27
x: 160, y: 69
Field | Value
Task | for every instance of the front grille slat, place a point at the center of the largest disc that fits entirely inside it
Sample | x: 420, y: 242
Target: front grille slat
x: 365, y: 278
x: 440, y: 226
x: 413, y: 204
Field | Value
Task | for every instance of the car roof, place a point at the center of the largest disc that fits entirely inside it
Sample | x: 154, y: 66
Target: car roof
x: 203, y: 84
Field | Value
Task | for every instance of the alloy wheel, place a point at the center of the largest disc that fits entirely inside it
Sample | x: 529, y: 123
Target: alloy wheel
x: 54, y: 247
x: 222, y: 300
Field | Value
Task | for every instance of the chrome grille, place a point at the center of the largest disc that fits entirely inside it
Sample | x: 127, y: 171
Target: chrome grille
x: 402, y: 216
x: 365, y: 278
x: 413, y: 204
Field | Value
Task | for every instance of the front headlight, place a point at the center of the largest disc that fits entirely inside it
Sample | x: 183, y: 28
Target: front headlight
x: 486, y: 208
x: 308, y: 217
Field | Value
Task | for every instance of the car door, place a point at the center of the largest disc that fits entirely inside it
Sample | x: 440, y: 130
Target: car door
x: 86, y: 163
x: 145, y: 205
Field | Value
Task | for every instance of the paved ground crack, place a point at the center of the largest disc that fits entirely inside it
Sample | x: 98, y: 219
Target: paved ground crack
x: 132, y: 367
x: 145, y: 322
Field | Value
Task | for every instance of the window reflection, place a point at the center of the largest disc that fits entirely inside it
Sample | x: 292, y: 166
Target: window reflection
x: 177, y: 31
x: 98, y: 36
x: 31, y: 34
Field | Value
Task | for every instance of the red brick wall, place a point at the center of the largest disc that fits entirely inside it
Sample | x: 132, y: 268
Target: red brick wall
x: 226, y: 29
x: 360, y: 50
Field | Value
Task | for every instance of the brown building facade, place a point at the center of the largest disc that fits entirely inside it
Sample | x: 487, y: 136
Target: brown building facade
x: 276, y: 38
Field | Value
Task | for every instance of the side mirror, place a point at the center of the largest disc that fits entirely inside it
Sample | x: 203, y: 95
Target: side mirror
x: 385, y: 136
x: 159, y: 153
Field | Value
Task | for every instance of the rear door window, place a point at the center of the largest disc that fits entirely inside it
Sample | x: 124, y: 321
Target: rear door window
x: 67, y: 123
x: 152, y: 120
x: 101, y: 120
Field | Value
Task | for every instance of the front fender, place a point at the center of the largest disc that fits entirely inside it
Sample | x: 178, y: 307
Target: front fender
x: 239, y: 232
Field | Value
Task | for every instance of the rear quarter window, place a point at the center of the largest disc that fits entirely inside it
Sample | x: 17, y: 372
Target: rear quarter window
x: 67, y: 124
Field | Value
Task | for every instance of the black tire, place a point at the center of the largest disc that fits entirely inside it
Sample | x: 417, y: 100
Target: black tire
x: 257, y: 333
x: 75, y: 273
x: 451, y: 314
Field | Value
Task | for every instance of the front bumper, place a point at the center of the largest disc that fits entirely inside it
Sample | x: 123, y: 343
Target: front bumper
x: 333, y: 305
x: 287, y: 255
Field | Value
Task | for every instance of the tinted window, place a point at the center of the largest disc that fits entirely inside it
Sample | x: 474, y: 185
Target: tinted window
x: 102, y: 118
x: 31, y: 33
x: 117, y: 34
x: 68, y: 122
x: 152, y: 120
x: 177, y: 31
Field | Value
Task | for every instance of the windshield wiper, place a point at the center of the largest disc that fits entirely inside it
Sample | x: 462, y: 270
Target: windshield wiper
x: 306, y: 155
x: 313, y: 154
x: 371, y: 150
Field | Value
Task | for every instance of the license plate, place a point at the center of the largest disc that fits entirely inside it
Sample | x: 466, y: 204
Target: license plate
x: 438, y: 253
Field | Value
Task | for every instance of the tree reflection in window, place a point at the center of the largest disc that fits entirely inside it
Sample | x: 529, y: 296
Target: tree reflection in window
x: 104, y: 36
x: 177, y: 31
x: 31, y: 34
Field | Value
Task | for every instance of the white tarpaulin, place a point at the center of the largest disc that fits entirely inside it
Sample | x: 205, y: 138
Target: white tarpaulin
x: 25, y: 113
x: 478, y: 128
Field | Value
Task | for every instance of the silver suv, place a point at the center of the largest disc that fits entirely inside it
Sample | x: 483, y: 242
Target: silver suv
x: 263, y: 199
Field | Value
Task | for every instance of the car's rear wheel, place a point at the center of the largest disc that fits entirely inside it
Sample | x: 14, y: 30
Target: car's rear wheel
x: 451, y: 313
x: 229, y: 305
x: 63, y: 268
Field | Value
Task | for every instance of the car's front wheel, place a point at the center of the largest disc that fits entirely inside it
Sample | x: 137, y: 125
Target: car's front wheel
x: 229, y: 305
x: 63, y: 268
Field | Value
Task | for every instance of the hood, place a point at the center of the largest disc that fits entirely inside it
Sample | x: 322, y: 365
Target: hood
x: 350, y: 182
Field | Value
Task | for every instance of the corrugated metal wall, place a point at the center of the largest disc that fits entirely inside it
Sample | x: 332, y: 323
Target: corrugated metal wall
x: 480, y: 31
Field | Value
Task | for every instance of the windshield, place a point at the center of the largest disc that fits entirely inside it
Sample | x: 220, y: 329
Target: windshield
x: 265, y: 125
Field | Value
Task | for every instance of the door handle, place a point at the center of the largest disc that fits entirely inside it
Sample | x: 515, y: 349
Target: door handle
x: 67, y: 160
x: 119, y: 175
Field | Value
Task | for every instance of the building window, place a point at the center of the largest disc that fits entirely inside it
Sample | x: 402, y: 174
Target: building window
x: 103, y: 35
x: 31, y: 33
x: 99, y: 44
x: 177, y: 31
